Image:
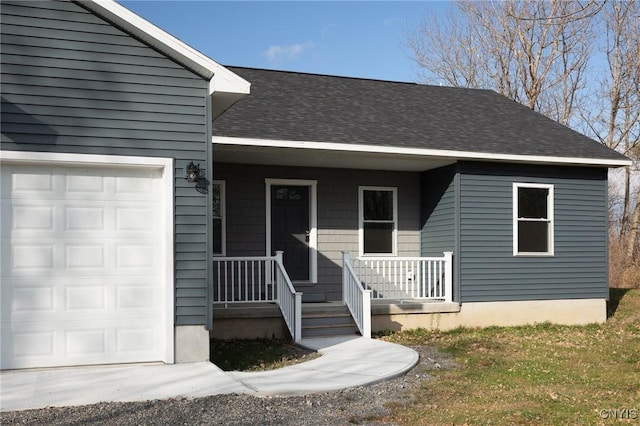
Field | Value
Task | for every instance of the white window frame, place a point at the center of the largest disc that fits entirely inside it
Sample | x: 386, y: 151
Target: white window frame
x: 550, y: 219
x: 361, y: 221
x: 223, y: 212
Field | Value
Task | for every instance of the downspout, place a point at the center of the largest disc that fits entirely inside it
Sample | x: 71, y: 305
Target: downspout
x: 457, y: 256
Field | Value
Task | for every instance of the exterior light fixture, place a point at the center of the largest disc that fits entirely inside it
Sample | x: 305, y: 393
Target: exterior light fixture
x: 193, y: 172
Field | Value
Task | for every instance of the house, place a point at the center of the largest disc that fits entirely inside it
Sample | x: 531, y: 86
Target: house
x: 455, y: 206
x: 143, y: 186
x: 105, y: 245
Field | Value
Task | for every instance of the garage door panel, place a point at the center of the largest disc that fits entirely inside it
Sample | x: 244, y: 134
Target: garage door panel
x: 77, y: 182
x: 27, y: 181
x: 80, y: 219
x: 40, y: 345
x: 82, y: 266
x: 49, y: 257
x: 68, y: 299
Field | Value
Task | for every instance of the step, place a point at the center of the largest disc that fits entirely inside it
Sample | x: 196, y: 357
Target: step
x: 328, y: 308
x: 327, y: 320
x: 313, y: 297
x: 329, y: 331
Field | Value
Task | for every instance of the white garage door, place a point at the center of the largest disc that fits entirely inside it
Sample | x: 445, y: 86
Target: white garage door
x: 83, y: 274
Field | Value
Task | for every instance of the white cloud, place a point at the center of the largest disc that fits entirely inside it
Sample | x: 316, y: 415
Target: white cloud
x: 278, y: 54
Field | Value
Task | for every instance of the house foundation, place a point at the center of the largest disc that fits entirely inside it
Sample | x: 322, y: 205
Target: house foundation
x: 397, y: 317
x: 191, y: 344
x: 266, y: 322
x: 248, y: 322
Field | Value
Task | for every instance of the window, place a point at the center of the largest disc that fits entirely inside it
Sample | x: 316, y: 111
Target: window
x: 219, y: 225
x: 378, y: 220
x: 532, y: 219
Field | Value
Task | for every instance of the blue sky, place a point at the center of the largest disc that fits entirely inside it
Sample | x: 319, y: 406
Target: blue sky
x: 356, y: 39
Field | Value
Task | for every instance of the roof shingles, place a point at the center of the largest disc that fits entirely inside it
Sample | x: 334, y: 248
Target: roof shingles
x: 309, y: 107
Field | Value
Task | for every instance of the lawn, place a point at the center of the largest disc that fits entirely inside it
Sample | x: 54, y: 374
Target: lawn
x: 540, y: 374
x: 257, y: 354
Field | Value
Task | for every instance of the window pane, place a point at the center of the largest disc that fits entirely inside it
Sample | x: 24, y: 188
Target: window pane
x: 217, y: 203
x: 378, y: 238
x: 217, y: 236
x: 378, y: 205
x: 533, y: 237
x: 532, y: 203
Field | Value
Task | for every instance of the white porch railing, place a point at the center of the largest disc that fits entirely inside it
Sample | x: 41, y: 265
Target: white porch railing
x: 288, y: 299
x: 427, y: 278
x: 259, y: 279
x: 356, y: 297
x: 244, y: 279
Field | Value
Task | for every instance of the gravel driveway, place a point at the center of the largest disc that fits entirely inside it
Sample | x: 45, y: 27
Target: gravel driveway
x: 361, y: 405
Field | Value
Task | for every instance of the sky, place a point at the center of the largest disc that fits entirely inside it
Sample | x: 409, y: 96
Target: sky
x: 354, y: 39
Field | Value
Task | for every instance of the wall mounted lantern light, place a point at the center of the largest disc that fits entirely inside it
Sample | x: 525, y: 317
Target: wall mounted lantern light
x: 193, y: 172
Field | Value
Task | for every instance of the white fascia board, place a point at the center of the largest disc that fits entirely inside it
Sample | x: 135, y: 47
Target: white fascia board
x: 457, y: 155
x: 225, y: 80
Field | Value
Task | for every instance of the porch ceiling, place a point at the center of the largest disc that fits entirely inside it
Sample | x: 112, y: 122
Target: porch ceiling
x: 278, y: 156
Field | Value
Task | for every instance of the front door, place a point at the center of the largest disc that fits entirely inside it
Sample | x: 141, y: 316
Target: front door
x: 290, y: 228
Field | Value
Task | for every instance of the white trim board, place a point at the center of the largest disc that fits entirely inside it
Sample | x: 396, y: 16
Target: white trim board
x: 167, y: 167
x: 550, y: 220
x: 313, y: 219
x: 222, y: 80
x: 394, y: 234
x: 223, y: 216
x: 424, y: 152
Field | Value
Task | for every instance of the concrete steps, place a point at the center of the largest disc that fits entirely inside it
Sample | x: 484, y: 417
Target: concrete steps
x: 327, y: 320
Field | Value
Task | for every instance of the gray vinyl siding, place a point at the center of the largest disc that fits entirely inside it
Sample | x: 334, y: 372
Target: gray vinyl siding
x: 438, y: 211
x: 488, y: 269
x: 73, y: 83
x: 337, y: 191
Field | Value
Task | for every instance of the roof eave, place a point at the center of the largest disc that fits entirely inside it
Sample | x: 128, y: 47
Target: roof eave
x: 221, y: 79
x: 433, y: 153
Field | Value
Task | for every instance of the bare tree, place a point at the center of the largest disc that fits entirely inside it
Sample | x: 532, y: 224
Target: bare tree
x: 539, y: 53
x: 534, y: 52
x: 615, y: 119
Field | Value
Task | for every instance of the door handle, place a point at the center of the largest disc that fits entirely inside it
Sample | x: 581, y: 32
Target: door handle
x: 306, y: 236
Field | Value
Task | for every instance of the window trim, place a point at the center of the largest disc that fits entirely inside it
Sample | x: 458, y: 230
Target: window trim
x: 550, y: 219
x: 394, y: 233
x: 223, y: 217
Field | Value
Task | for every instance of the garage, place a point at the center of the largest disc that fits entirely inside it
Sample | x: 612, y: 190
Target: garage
x: 86, y: 262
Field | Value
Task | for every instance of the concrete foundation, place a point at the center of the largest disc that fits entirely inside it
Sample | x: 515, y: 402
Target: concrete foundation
x: 486, y: 314
x: 251, y: 322
x: 191, y: 344
x: 248, y: 322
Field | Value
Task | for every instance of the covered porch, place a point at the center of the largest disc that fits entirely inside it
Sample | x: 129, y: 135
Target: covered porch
x: 258, y: 290
x: 310, y: 230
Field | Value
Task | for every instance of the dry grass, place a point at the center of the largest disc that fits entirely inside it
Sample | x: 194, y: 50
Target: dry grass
x: 542, y: 374
x: 624, y: 271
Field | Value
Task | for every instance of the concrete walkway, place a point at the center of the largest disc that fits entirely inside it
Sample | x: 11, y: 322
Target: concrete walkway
x: 345, y: 362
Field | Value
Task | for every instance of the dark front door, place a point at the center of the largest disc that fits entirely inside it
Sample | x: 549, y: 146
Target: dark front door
x: 290, y: 228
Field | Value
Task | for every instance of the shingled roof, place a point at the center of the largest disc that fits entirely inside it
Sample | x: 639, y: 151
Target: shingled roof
x: 318, y: 108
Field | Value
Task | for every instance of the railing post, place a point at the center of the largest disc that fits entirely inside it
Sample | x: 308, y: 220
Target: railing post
x: 273, y: 272
x: 366, y: 314
x: 346, y: 260
x: 448, y: 276
x: 298, y: 317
